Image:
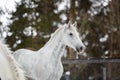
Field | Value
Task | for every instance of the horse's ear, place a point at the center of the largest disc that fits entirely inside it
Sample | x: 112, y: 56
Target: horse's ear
x: 69, y: 23
x: 67, y: 26
x: 75, y: 24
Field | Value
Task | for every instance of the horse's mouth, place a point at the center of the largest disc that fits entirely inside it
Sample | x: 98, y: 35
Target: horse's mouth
x: 80, y: 50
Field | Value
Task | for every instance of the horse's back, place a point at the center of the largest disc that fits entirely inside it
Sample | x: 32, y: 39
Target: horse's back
x: 21, y: 53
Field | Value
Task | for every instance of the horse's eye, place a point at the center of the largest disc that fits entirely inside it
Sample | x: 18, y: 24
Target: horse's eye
x: 71, y: 34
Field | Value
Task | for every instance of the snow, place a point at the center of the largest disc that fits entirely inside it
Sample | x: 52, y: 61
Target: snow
x: 4, y: 34
x: 98, y: 6
x: 18, y: 41
x: 90, y: 78
x: 103, y: 39
x: 63, y: 17
x: 63, y: 5
x: 7, y: 6
x: 86, y: 43
x: 46, y: 36
x: 25, y: 15
x: 30, y: 31
x: 76, y: 4
x: 67, y: 72
x: 106, y: 52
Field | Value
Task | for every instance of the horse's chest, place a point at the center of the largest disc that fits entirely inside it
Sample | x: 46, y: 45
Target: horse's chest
x: 55, y: 70
x: 49, y: 70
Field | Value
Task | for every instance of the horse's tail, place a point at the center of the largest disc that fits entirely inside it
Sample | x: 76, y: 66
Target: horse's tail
x: 14, y: 73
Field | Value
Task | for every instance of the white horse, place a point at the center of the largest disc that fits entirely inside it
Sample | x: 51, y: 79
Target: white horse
x: 9, y: 69
x: 45, y: 64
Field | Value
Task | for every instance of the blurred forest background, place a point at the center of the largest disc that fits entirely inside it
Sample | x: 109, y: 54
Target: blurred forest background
x: 32, y: 22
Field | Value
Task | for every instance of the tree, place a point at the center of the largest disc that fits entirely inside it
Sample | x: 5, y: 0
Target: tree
x: 32, y: 20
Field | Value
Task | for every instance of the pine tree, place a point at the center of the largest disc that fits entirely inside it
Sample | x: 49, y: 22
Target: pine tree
x: 38, y: 16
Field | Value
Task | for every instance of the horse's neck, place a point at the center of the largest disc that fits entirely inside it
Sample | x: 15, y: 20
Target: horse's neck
x: 55, y: 46
x: 58, y: 50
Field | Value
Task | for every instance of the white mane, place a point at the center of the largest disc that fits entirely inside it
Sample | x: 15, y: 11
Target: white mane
x: 54, y: 35
x: 9, y: 69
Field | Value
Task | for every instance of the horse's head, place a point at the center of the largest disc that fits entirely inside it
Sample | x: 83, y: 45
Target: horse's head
x: 71, y: 37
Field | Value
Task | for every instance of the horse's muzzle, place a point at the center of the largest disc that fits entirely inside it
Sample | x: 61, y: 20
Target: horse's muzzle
x: 80, y: 49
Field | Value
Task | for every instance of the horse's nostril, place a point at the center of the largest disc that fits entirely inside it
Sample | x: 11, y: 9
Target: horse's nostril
x: 81, y: 48
x: 77, y: 49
